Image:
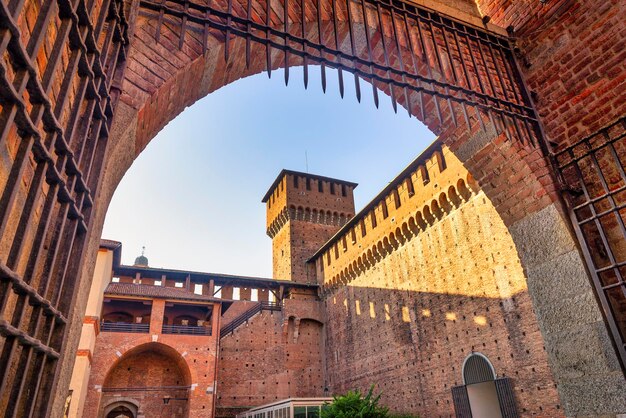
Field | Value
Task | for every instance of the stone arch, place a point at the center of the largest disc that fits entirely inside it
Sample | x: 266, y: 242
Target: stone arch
x: 152, y: 364
x: 137, y: 120
x: 129, y: 404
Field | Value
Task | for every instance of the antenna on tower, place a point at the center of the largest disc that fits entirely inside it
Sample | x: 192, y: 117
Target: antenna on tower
x: 143, y: 250
x: 306, y: 161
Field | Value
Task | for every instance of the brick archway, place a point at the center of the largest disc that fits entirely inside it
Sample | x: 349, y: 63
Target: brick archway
x: 60, y: 91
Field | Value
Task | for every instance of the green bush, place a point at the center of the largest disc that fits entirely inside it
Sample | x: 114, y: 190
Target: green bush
x: 354, y: 405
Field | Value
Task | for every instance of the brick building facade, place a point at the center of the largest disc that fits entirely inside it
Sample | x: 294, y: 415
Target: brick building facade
x: 528, y: 95
x: 399, y: 295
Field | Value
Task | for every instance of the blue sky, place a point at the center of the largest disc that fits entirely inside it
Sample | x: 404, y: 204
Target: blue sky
x: 193, y: 197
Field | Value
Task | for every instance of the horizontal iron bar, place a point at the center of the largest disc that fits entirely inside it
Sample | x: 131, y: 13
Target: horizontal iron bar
x: 7, y: 331
x: 590, y: 149
x: 35, y: 299
x: 601, y: 131
x: 524, y: 112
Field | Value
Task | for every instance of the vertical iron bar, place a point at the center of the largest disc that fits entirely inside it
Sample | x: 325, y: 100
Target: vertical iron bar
x: 227, y: 31
x: 386, y: 55
x: 339, y: 71
x: 268, y: 46
x: 400, y: 60
x: 369, y: 50
x: 286, y: 28
x: 321, y: 42
x: 305, y: 57
x: 357, y: 84
x: 249, y: 29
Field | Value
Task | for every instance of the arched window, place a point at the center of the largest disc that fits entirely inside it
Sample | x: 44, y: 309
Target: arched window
x: 477, y: 369
x: 482, y: 394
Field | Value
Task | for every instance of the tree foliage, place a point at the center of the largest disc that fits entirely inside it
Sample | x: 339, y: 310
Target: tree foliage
x: 354, y: 405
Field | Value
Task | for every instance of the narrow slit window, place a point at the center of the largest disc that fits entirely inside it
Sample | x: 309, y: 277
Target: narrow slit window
x: 353, y: 232
x: 363, y: 230
x: 384, y: 208
x: 409, y: 186
x: 343, y: 190
x: 320, y: 186
x: 236, y: 293
x: 373, y: 219
x: 254, y: 295
x: 308, y: 183
x: 396, y: 198
x: 332, y: 188
x: 295, y: 181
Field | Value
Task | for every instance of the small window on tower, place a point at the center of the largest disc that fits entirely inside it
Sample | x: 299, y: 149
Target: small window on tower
x: 295, y: 181
x: 236, y: 293
x: 343, y: 190
x: 396, y: 198
x: 384, y: 208
x: 320, y: 186
x: 254, y: 295
x: 363, y: 231
x: 332, y: 188
x: 308, y: 183
x: 409, y: 186
x: 373, y: 219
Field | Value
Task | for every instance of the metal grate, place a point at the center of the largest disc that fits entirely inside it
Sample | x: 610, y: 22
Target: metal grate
x: 433, y: 64
x: 594, y: 178
x: 461, y: 402
x: 58, y: 75
x: 477, y: 369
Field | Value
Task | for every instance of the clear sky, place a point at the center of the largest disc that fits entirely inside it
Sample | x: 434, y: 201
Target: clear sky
x: 193, y: 197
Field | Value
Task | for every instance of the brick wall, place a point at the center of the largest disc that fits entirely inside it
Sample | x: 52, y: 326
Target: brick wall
x: 272, y: 357
x: 405, y: 316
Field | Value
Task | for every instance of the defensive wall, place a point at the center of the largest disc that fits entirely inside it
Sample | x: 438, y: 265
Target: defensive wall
x: 422, y: 277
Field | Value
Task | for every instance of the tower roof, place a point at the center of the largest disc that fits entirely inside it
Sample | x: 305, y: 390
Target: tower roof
x: 285, y: 172
x: 142, y: 260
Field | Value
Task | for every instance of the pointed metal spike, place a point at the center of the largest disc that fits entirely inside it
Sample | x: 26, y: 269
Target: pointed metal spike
x: 268, y: 60
x: 438, y: 109
x: 340, y: 75
x: 323, y: 78
x: 480, y: 119
x: 493, y: 122
x: 394, y: 103
x: 306, y: 72
x: 375, y: 91
x: 506, y: 126
x: 452, y: 114
x: 357, y: 86
x: 465, y: 116
x: 247, y: 52
x: 407, y: 101
x: 286, y: 72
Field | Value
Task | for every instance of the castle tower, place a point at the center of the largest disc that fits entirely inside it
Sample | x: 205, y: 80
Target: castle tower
x: 303, y: 212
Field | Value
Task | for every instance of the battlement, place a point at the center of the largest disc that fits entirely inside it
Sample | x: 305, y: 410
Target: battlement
x: 432, y: 185
x: 308, y: 193
x: 303, y: 211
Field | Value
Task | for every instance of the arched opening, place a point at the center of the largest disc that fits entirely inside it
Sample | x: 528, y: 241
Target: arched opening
x: 479, y: 377
x: 482, y: 394
x: 155, y: 376
x: 121, y: 409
